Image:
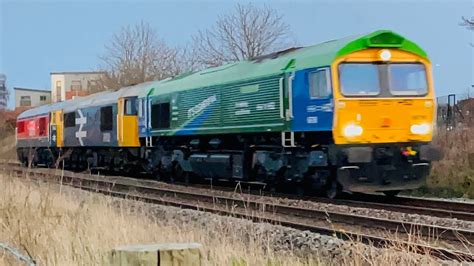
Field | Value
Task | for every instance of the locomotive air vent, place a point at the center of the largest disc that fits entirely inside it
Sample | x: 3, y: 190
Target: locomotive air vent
x: 406, y: 102
x: 367, y: 103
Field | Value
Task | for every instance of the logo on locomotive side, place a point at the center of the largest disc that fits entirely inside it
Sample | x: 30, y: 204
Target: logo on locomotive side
x: 195, y: 110
x: 81, y: 121
x: 327, y: 107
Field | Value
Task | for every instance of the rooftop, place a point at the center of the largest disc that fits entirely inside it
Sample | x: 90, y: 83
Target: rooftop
x: 28, y: 89
x: 77, y: 72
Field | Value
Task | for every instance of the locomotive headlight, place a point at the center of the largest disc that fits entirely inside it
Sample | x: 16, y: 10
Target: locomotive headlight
x: 420, y: 129
x: 353, y: 130
x: 385, y: 55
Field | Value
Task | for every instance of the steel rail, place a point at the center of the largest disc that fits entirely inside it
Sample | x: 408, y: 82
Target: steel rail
x: 431, y: 207
x: 380, y: 242
x: 426, y: 230
x: 455, y: 206
x: 125, y: 186
x: 412, y: 205
x: 409, y: 205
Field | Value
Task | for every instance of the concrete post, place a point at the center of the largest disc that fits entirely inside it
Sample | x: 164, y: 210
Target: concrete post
x: 168, y: 254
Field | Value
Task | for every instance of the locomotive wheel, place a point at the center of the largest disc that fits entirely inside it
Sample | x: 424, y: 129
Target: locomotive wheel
x: 50, y: 161
x: 300, y: 189
x: 259, y: 173
x: 334, y: 190
x: 180, y: 175
x: 391, y: 193
x: 156, y: 175
x: 270, y: 186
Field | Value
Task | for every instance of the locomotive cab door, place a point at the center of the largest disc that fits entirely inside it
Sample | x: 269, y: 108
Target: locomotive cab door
x: 127, y: 122
x: 312, y: 90
x: 56, y: 129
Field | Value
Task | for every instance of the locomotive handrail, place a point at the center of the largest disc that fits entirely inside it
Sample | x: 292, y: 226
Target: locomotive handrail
x: 282, y: 111
x: 290, y: 96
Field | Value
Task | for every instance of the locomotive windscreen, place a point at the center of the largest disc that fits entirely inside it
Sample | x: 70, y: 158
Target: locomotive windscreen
x: 385, y: 80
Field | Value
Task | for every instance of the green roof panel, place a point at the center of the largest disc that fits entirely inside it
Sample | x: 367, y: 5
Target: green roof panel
x: 286, y: 61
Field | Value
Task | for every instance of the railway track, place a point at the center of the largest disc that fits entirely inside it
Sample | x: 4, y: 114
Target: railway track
x: 342, y: 225
x: 431, y: 207
x: 410, y: 205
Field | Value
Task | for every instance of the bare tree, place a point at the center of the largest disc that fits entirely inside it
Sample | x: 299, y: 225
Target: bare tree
x: 187, y: 60
x: 468, y: 23
x: 136, y: 55
x: 245, y: 33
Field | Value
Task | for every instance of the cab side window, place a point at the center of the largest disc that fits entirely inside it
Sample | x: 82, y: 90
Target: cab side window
x: 319, y: 83
x: 140, y: 108
x: 70, y: 119
x: 106, y: 118
x: 21, y: 126
x: 42, y: 126
x: 130, y: 107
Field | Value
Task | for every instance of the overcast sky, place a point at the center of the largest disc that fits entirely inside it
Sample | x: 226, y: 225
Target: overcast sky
x: 39, y: 37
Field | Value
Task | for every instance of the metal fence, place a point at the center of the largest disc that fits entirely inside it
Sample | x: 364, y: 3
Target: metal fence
x: 455, y: 110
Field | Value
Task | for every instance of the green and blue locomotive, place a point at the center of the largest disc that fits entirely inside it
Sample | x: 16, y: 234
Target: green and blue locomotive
x: 353, y: 114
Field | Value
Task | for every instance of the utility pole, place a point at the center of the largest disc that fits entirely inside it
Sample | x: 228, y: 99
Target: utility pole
x: 3, y: 92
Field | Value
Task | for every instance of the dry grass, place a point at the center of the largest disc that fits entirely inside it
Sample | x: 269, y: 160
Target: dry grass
x: 7, y: 124
x: 454, y: 175
x: 70, y: 227
x: 8, y: 147
x: 7, y: 136
x: 75, y: 228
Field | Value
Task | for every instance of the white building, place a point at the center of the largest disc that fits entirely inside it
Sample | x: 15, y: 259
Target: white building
x: 25, y: 98
x: 67, y: 85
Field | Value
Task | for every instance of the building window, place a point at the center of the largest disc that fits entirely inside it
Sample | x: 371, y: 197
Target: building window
x: 160, y: 115
x: 93, y: 85
x: 42, y: 98
x: 106, y: 118
x: 76, y: 85
x: 70, y: 119
x: 319, y: 83
x: 25, y: 101
x: 58, y: 90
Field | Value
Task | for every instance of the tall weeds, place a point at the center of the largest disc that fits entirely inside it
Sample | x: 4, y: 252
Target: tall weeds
x: 454, y: 174
x: 71, y: 227
x: 80, y: 228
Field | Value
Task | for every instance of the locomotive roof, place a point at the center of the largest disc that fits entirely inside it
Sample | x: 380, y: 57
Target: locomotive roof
x: 100, y: 98
x: 96, y: 99
x: 322, y: 54
x: 65, y: 105
x: 285, y: 61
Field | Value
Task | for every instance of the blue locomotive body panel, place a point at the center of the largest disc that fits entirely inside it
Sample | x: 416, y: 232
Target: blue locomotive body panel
x: 311, y: 112
x: 88, y: 129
